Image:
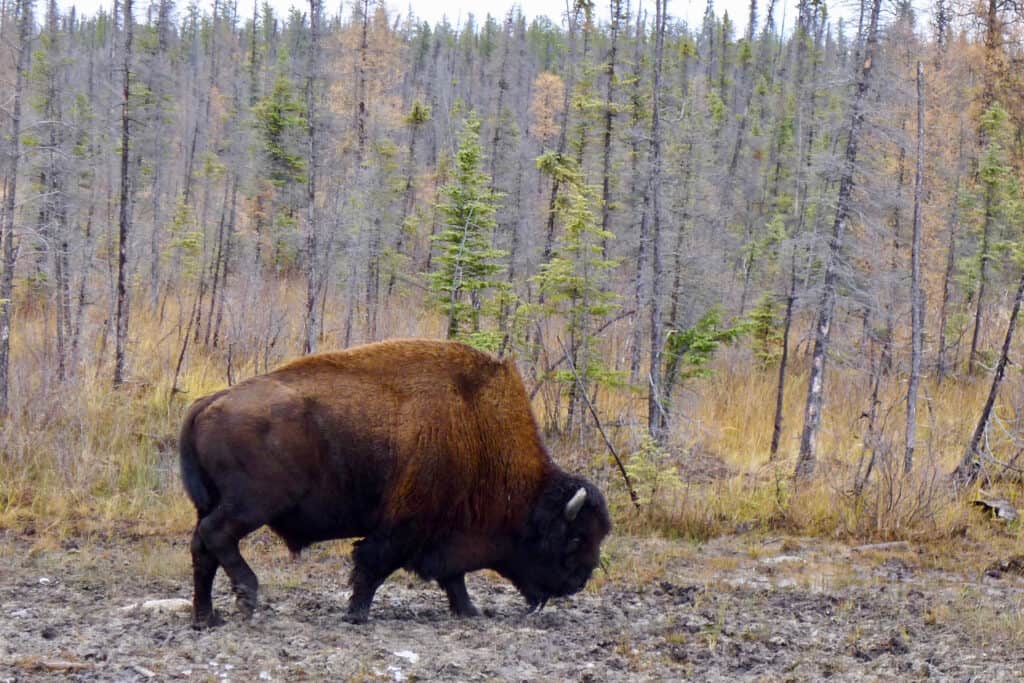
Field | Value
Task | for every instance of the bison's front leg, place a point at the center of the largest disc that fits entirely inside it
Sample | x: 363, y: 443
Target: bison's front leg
x: 374, y: 559
x: 459, y: 601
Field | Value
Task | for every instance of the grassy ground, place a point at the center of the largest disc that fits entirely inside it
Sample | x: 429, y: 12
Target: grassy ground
x: 78, y: 457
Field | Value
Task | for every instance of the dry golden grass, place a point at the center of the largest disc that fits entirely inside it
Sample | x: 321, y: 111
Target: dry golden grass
x: 78, y: 457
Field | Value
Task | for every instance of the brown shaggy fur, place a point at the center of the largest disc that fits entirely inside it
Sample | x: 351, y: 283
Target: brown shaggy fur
x: 439, y: 406
x: 426, y: 449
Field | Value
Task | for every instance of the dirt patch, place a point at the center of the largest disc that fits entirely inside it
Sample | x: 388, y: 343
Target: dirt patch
x: 700, y: 466
x: 732, y: 609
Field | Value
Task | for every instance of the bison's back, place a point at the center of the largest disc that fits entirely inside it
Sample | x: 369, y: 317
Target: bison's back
x: 410, y: 432
x: 460, y: 424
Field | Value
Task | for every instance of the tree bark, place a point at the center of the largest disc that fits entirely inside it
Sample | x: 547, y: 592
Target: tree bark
x: 983, y: 256
x: 968, y: 470
x: 226, y: 261
x: 10, y: 194
x: 637, y: 110
x: 312, y: 258
x: 947, y: 276
x: 124, y: 214
x: 780, y: 387
x: 916, y: 296
x: 360, y: 78
x: 609, y: 124
x: 217, y: 266
x: 657, y: 418
x: 826, y: 311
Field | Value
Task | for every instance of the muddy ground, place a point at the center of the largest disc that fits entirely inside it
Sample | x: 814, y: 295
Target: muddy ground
x: 738, y: 608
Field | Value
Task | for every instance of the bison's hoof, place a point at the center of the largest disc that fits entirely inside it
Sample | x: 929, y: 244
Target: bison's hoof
x: 246, y: 603
x: 356, y: 617
x: 535, y: 607
x: 201, y: 622
x: 466, y: 612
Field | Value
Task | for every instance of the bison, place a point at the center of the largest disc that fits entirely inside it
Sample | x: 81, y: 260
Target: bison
x: 425, y: 450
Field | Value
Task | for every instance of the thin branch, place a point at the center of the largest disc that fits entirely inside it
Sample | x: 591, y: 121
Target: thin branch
x: 593, y: 412
x: 551, y: 367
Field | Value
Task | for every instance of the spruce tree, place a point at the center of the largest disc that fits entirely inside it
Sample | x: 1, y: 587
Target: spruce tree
x: 573, y: 280
x: 466, y: 263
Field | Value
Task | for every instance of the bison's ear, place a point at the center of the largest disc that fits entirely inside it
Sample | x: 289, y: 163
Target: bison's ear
x: 575, y: 504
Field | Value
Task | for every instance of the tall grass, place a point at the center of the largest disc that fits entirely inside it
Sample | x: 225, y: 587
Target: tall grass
x: 77, y: 455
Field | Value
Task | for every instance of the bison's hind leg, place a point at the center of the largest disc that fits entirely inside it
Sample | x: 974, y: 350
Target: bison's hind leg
x: 220, y: 532
x: 204, y: 568
x: 459, y: 601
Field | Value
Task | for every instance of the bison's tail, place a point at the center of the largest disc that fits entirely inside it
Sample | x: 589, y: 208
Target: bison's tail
x: 198, y: 485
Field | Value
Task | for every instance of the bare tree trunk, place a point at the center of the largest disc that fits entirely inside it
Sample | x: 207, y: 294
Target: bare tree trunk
x: 916, y: 296
x: 979, y: 310
x: 947, y: 276
x: 226, y: 261
x: 609, y: 121
x: 76, y: 327
x: 636, y: 341
x: 361, y: 68
x: 780, y: 387
x: 217, y: 268
x: 826, y: 311
x: 312, y: 227
x: 889, y: 333
x: 871, y: 440
x: 967, y: 471
x: 124, y: 216
x: 657, y: 417
x: 373, y: 279
x: 556, y: 179
x: 409, y: 190
x: 10, y: 193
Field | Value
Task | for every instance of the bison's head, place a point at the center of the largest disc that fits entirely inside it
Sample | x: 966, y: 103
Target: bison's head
x: 560, y: 546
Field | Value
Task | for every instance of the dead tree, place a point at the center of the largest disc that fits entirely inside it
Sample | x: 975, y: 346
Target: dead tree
x: 916, y: 296
x: 124, y: 215
x: 657, y: 421
x: 826, y: 310
x: 10, y: 192
x: 966, y: 473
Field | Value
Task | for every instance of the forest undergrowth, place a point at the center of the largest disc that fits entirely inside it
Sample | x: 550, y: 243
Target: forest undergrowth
x: 79, y: 457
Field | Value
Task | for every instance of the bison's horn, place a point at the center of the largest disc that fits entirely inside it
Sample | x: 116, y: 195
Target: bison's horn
x: 572, y: 508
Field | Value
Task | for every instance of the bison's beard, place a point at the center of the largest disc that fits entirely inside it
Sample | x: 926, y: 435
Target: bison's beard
x: 537, y: 591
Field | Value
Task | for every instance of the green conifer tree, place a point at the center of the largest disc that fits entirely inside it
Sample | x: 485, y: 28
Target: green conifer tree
x: 466, y: 264
x: 574, y: 280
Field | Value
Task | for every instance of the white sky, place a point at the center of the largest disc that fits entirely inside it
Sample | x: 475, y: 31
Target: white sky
x: 432, y: 10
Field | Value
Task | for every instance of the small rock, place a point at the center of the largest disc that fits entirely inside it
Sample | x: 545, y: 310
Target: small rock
x: 1000, y: 508
x: 1012, y: 565
x: 48, y: 633
x: 143, y: 671
x: 408, y: 655
x: 20, y: 613
x: 45, y: 581
x: 264, y: 676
